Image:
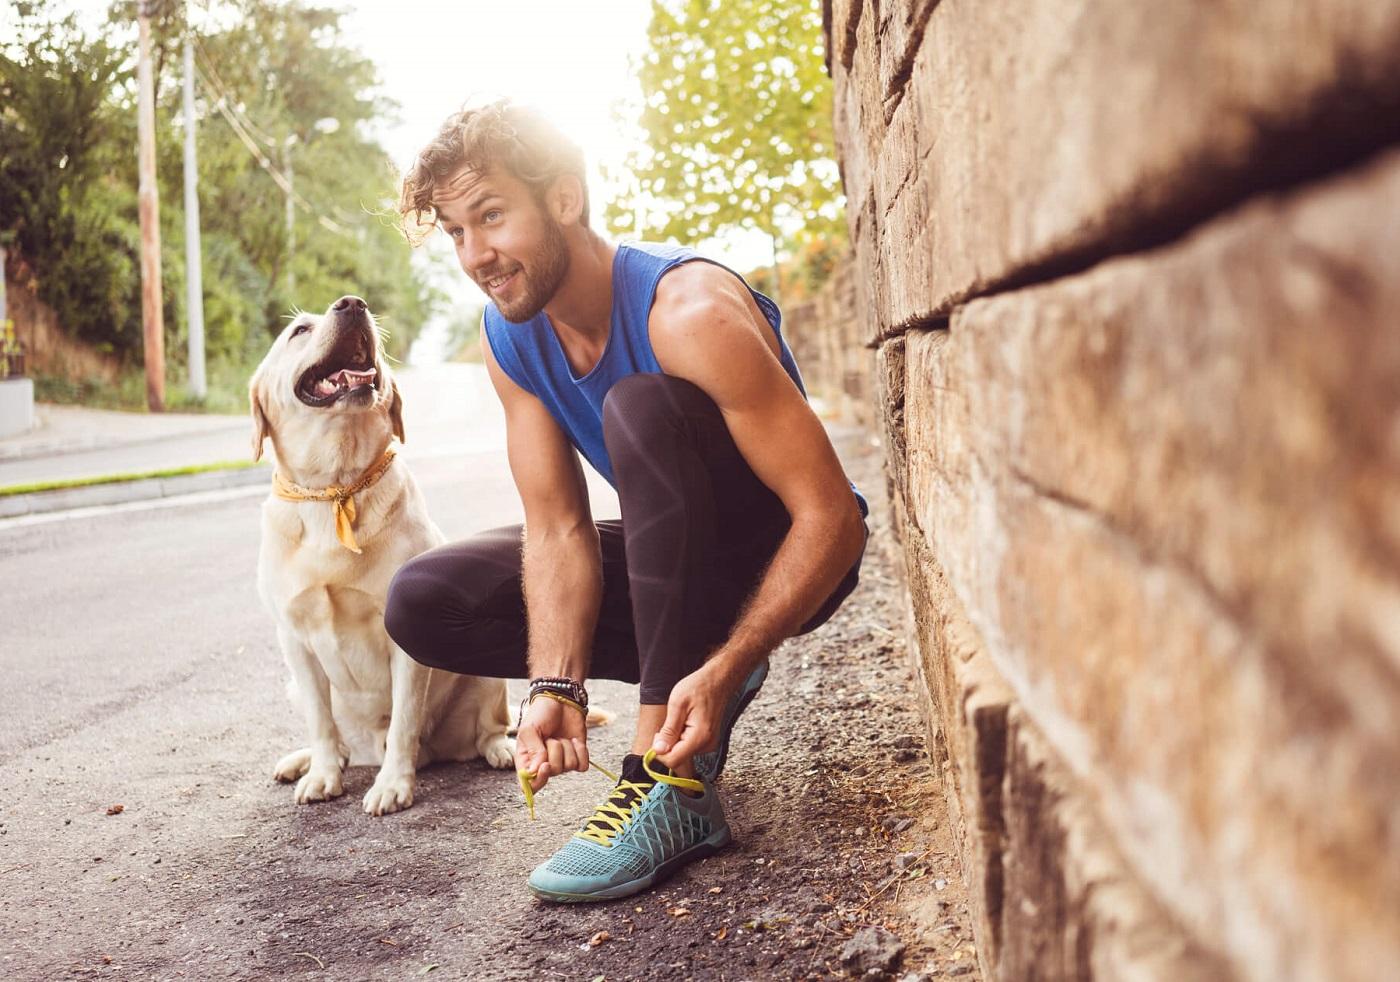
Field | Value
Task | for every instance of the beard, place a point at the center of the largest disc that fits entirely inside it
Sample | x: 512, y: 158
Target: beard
x: 540, y: 276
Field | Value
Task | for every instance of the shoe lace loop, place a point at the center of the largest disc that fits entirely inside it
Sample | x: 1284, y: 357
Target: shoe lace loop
x: 614, y: 813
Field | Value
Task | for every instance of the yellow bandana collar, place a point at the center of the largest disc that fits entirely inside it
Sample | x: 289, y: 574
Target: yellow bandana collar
x: 342, y: 499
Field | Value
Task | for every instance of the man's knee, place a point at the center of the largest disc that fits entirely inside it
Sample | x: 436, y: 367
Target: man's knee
x: 642, y: 408
x: 410, y: 610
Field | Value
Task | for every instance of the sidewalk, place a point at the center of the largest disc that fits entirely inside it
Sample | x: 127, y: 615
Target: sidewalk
x: 447, y: 409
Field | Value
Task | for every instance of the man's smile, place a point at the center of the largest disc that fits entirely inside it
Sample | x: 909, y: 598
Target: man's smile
x: 496, y: 282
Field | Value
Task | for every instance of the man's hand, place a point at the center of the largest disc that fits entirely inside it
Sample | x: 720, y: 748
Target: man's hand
x: 694, y: 714
x: 553, y: 738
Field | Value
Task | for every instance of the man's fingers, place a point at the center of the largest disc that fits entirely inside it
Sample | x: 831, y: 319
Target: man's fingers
x: 563, y: 755
x: 581, y: 749
x: 666, y: 737
x: 693, y: 741
x: 541, y: 778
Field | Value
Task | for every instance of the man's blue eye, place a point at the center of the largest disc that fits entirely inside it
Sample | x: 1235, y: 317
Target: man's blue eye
x: 493, y: 214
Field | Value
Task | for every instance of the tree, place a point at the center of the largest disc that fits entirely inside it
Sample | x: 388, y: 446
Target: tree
x: 278, y: 71
x: 61, y: 137
x: 737, y: 115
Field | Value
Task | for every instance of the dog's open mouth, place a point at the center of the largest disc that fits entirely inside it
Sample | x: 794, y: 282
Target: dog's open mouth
x: 328, y: 382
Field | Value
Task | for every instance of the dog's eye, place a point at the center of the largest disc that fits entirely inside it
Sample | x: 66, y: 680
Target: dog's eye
x: 300, y: 329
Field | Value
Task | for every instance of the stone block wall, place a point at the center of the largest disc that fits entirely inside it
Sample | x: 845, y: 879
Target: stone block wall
x: 828, y: 343
x: 1127, y: 277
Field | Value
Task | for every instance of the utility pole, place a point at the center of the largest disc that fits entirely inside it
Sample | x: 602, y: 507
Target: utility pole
x: 148, y: 207
x: 194, y: 279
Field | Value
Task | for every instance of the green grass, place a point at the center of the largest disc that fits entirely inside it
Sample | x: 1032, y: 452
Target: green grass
x: 227, y: 391
x: 83, y: 482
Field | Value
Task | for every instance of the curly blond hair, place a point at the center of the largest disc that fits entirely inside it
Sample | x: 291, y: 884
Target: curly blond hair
x: 518, y: 138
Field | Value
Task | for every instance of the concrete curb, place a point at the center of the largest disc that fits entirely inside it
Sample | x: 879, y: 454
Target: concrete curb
x: 63, y: 446
x: 120, y: 492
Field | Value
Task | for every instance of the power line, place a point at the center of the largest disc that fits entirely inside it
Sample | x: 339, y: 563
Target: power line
x: 242, y: 129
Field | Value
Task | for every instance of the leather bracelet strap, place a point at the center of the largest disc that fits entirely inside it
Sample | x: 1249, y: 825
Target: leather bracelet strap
x: 570, y: 689
x: 545, y: 694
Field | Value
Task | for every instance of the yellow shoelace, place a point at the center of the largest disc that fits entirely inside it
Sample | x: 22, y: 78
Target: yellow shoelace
x: 613, y: 814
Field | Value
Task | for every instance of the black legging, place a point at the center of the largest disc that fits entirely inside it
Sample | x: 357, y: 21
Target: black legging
x: 698, y: 530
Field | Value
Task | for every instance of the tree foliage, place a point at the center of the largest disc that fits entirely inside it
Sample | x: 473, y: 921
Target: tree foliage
x: 303, y: 100
x: 737, y: 117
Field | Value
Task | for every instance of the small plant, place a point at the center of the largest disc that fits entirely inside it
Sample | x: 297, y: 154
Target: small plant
x: 11, y: 352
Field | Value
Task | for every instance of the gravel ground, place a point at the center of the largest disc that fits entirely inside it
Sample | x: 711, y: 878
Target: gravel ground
x: 839, y: 819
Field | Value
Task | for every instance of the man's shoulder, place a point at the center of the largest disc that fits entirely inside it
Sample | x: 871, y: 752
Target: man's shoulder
x: 691, y: 288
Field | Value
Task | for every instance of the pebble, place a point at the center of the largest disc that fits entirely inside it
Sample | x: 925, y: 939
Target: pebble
x: 905, y: 859
x: 872, y: 949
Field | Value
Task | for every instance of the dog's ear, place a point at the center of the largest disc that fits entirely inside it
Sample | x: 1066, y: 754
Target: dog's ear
x: 396, y: 410
x: 261, y: 428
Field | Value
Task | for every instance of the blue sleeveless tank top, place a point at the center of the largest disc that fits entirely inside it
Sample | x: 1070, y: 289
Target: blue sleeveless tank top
x: 531, y: 356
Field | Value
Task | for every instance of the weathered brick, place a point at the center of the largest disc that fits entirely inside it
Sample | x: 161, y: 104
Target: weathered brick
x: 1166, y: 493
x: 1049, y: 133
x: 1052, y: 899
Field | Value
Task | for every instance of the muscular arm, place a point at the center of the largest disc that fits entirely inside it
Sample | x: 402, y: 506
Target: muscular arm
x: 706, y: 328
x: 562, y: 573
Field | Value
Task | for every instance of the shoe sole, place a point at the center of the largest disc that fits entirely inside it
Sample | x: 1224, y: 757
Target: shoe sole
x: 744, y: 701
x: 717, y: 841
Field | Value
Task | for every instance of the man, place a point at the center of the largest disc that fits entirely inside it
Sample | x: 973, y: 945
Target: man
x: 738, y: 529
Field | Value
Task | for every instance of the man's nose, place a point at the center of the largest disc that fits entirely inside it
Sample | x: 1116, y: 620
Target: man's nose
x: 349, y: 303
x: 477, y: 253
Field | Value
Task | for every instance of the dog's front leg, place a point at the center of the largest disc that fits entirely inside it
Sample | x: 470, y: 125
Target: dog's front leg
x: 322, y: 780
x: 393, y: 786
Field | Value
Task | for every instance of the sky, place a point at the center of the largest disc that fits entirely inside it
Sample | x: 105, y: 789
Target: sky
x: 570, y: 58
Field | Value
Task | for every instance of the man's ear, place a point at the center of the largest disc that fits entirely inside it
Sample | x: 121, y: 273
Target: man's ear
x: 261, y: 428
x: 567, y: 199
x: 396, y: 410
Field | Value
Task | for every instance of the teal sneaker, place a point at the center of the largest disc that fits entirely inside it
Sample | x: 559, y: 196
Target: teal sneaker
x: 645, y: 831
x: 708, y: 766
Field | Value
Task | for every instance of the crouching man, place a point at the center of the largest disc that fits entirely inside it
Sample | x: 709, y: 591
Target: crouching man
x: 739, y: 528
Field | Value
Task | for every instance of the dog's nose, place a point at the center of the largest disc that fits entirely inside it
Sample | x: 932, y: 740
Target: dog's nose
x: 349, y: 303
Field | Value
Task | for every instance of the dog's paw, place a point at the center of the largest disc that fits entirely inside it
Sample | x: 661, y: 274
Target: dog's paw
x: 319, y: 784
x: 389, y: 793
x: 498, y: 751
x: 292, y: 766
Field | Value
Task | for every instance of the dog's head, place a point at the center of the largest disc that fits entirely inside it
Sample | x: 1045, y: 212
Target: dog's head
x: 324, y: 372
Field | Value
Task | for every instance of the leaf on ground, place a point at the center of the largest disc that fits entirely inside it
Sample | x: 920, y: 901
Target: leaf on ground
x: 116, y: 809
x: 716, y: 889
x: 599, y: 938
x: 678, y: 912
x: 721, y: 934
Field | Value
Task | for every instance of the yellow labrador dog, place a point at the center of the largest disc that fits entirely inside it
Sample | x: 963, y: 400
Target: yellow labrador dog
x: 344, y: 515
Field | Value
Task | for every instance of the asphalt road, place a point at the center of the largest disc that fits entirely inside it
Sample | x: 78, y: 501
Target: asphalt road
x: 139, y: 669
x: 142, y: 837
